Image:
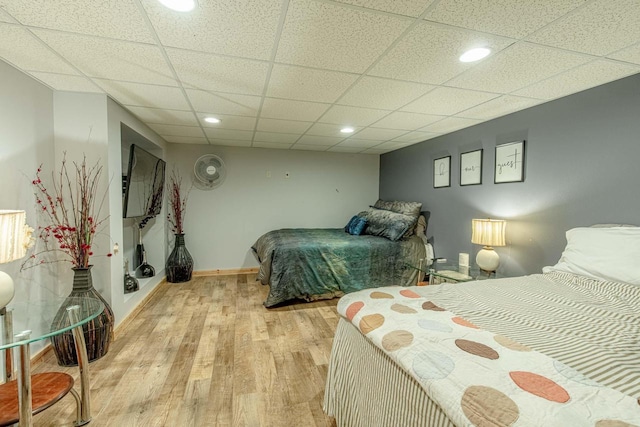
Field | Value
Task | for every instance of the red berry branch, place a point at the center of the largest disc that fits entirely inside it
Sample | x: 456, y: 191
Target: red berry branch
x: 69, y: 208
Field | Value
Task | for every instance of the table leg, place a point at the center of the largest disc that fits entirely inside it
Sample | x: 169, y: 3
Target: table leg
x: 24, y: 381
x: 7, y: 333
x: 83, y: 366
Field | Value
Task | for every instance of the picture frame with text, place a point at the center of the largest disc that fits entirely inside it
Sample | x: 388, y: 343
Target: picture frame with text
x: 442, y: 172
x: 510, y: 162
x: 471, y: 168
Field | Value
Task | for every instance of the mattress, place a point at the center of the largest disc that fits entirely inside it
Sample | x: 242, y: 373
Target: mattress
x: 589, y: 326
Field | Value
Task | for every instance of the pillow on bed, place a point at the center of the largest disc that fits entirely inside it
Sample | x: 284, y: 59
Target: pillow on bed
x: 406, y: 208
x: 356, y: 225
x: 611, y: 253
x: 391, y: 225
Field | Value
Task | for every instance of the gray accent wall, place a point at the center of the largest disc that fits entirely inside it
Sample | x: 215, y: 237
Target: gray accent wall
x: 582, y: 167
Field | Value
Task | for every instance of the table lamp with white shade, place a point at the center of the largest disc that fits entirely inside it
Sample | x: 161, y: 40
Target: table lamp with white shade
x: 13, y: 246
x: 489, y: 233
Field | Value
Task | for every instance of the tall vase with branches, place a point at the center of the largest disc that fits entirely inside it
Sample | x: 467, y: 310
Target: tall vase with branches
x: 69, y: 219
x: 179, y: 265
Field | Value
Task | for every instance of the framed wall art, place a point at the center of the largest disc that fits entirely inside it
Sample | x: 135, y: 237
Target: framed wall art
x: 442, y: 172
x: 509, y: 162
x: 471, y: 168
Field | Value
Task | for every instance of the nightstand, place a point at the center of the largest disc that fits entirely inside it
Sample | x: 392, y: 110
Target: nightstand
x: 450, y: 272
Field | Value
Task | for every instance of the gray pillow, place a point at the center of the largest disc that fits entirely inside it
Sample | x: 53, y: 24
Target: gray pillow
x: 406, y: 208
x: 391, y: 225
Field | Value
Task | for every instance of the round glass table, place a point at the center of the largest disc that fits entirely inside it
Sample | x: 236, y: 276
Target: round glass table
x: 35, y: 320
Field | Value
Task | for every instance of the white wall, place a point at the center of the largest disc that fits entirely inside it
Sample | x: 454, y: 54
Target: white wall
x: 26, y: 141
x: 324, y: 190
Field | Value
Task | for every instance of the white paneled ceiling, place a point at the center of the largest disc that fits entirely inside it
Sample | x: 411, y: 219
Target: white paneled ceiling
x: 289, y: 74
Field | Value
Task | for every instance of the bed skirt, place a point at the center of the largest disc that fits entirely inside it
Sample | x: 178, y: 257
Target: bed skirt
x: 366, y: 388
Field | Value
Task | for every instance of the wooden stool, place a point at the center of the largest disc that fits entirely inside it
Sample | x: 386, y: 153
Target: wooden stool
x: 46, y: 389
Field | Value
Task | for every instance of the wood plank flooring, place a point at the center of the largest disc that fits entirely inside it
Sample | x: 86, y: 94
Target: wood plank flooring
x: 207, y: 353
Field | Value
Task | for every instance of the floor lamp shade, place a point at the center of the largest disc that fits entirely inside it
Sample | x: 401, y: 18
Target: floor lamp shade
x: 12, y: 247
x: 489, y: 233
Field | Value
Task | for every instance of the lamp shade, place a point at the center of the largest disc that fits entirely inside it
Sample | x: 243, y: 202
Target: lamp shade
x: 12, y: 235
x: 488, y: 232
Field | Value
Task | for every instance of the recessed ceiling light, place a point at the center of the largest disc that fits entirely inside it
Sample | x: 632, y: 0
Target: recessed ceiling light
x: 475, y: 54
x: 346, y: 130
x: 179, y: 5
x: 211, y: 120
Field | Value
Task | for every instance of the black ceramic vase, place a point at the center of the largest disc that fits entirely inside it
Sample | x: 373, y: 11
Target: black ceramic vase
x: 179, y: 264
x: 98, y: 333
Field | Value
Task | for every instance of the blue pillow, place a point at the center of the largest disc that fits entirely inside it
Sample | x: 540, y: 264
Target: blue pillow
x: 350, y: 223
x: 356, y: 226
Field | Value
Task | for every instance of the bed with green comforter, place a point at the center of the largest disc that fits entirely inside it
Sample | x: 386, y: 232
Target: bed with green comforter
x: 312, y: 263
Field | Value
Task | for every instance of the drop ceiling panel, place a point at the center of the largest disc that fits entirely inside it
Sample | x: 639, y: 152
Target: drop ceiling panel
x: 186, y: 140
x: 599, y: 28
x: 230, y: 142
x: 283, y: 126
x: 359, y: 143
x: 219, y: 73
x: 450, y: 124
x: 319, y: 140
x: 231, y: 122
x: 173, y: 130
x: 324, y: 129
x: 114, y: 19
x: 273, y: 137
x: 232, y: 27
x: 306, y: 84
x: 386, y: 94
x: 293, y: 72
x: 412, y: 8
x: 111, y: 59
x: 498, y: 107
x: 577, y: 79
x: 5, y: 17
x: 235, y: 135
x: 219, y: 103
x: 330, y: 36
x: 294, y: 110
x: 163, y: 116
x: 23, y: 50
x: 416, y: 136
x: 277, y: 146
x: 339, y: 149
x: 406, y: 121
x: 311, y: 147
x: 379, y: 134
x: 392, y: 145
x: 511, y: 18
x: 352, y: 116
x: 518, y: 66
x: 142, y: 95
x: 66, y: 82
x: 448, y: 101
x: 630, y: 54
x: 429, y: 53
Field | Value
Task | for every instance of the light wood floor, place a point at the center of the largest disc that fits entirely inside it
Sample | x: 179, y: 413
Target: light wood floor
x: 207, y: 353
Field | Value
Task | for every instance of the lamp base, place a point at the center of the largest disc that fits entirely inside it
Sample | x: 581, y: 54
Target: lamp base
x: 7, y: 290
x: 488, y: 259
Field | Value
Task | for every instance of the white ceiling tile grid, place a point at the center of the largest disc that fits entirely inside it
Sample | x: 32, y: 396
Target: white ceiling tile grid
x: 290, y: 74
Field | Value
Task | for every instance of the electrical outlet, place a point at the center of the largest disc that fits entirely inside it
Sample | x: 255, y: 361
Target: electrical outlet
x: 287, y: 175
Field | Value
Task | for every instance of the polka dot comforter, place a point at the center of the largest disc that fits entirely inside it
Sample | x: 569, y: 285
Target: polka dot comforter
x: 476, y: 376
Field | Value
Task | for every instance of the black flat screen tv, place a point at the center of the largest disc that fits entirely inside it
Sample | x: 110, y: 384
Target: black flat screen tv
x: 144, y: 184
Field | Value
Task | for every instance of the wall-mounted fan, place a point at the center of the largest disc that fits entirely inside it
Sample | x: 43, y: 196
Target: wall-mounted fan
x: 209, y: 172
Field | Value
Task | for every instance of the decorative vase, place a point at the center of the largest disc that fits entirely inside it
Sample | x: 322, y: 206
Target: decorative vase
x: 179, y: 264
x: 130, y: 283
x: 98, y: 333
x: 145, y: 269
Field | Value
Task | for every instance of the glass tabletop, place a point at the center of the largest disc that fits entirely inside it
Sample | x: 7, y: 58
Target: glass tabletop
x: 37, y: 317
x: 460, y: 273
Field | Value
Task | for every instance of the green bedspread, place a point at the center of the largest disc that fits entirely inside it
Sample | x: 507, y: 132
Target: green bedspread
x: 321, y: 263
